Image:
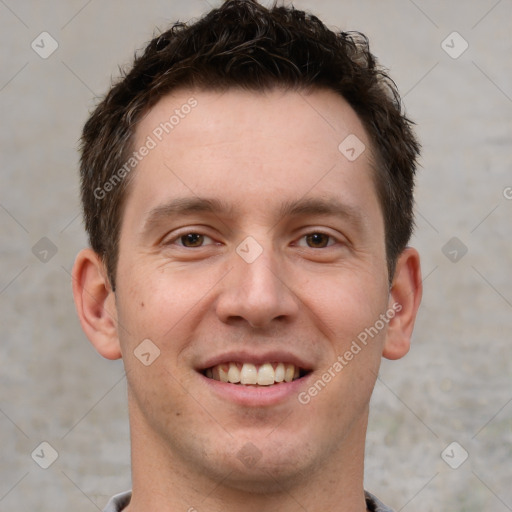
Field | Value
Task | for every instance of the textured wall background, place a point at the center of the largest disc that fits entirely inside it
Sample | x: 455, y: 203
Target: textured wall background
x: 454, y: 386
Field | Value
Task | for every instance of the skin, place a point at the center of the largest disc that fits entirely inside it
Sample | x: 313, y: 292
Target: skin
x: 258, y: 154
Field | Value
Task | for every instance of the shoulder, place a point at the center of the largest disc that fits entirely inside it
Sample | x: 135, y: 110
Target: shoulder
x: 374, y: 504
x: 118, y: 502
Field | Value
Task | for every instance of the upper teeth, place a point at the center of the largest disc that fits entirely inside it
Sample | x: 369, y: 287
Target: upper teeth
x: 248, y: 373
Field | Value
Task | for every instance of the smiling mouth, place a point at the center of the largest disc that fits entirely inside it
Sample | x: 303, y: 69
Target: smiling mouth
x: 248, y: 374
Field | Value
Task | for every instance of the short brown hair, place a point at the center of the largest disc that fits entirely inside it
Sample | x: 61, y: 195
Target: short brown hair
x: 245, y: 45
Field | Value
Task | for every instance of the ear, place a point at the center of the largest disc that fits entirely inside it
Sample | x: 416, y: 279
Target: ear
x: 404, y: 300
x: 95, y: 303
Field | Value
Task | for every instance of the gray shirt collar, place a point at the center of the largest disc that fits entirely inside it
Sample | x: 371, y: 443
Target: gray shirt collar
x: 120, y: 501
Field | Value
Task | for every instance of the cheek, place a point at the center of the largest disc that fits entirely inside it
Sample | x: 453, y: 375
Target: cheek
x: 345, y: 302
x: 162, y: 304
x: 353, y: 306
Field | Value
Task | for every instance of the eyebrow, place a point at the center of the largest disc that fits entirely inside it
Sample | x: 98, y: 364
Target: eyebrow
x: 323, y: 206
x: 183, y: 206
x: 302, y: 207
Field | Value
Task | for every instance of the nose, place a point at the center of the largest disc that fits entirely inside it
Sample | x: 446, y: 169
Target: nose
x: 254, y: 293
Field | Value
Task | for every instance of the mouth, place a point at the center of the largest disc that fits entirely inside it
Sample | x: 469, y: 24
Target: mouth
x: 249, y: 374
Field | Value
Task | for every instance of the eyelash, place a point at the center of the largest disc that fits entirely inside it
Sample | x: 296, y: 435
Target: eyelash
x: 179, y: 238
x: 331, y: 239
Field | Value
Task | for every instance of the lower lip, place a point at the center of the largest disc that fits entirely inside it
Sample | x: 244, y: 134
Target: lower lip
x: 257, y: 396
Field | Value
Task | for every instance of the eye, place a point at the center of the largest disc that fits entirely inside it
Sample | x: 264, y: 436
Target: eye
x: 192, y: 240
x: 316, y: 240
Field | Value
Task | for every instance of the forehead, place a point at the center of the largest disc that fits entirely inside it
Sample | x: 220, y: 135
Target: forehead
x: 245, y: 146
x: 287, y: 116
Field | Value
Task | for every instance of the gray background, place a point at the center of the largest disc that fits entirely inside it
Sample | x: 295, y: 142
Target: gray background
x: 454, y: 386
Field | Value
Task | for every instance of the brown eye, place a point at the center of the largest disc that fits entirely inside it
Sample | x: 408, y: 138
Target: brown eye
x: 317, y: 240
x: 192, y: 240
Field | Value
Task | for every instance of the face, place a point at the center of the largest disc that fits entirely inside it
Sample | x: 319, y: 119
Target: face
x: 252, y: 249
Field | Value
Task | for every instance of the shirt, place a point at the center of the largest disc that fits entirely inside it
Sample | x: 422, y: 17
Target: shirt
x: 119, y: 502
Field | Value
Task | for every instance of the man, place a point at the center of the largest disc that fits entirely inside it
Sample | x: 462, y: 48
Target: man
x: 247, y: 190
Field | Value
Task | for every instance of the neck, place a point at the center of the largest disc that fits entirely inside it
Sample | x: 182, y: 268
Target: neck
x: 163, y: 480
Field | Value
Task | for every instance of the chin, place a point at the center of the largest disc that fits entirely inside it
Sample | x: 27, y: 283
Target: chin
x: 260, y: 466
x: 265, y: 477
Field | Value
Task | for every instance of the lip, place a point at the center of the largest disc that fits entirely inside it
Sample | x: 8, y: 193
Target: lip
x: 257, y: 359
x: 257, y: 396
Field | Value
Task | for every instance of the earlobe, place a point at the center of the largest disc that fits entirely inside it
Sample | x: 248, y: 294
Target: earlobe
x: 95, y: 303
x: 404, y: 300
